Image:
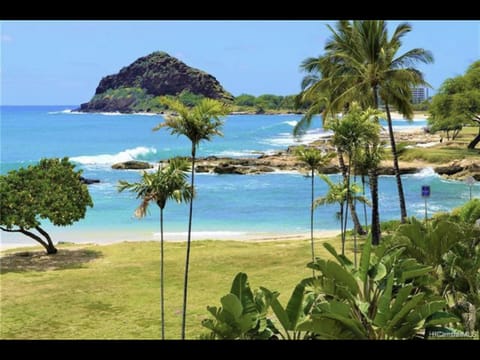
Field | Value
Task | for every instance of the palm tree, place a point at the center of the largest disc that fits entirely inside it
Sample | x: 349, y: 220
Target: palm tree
x: 166, y: 183
x: 356, y: 129
x: 362, y: 59
x: 337, y: 194
x: 202, y: 122
x: 314, y: 159
x: 372, y: 156
x: 320, y: 101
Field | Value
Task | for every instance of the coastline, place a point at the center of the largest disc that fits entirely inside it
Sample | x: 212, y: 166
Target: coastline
x: 112, y: 237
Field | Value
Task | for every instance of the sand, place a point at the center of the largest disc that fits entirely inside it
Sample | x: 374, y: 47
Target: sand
x: 111, y: 237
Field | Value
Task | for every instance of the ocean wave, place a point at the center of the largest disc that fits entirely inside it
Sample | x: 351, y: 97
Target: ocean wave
x: 107, y: 159
x: 287, y: 139
x: 241, y: 153
x: 425, y: 173
x: 66, y: 111
x: 291, y: 123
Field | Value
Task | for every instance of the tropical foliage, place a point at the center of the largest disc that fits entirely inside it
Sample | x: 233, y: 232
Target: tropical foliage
x: 382, y: 299
x: 49, y: 190
x: 361, y: 63
x: 313, y: 159
x: 169, y: 182
x: 199, y: 123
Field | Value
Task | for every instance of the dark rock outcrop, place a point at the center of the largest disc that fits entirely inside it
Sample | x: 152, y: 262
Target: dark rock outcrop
x: 153, y: 75
x: 88, y: 181
x: 132, y: 165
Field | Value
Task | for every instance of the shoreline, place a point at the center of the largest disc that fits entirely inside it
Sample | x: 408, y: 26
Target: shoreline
x: 112, y: 237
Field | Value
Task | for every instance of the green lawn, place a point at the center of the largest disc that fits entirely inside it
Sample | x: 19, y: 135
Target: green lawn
x: 447, y: 151
x: 112, y: 291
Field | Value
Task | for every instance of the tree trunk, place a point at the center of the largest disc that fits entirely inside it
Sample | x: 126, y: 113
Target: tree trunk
x: 311, y: 218
x: 349, y: 201
x: 342, y: 233
x: 48, y: 245
x: 398, y: 177
x: 475, y: 141
x: 162, y: 286
x: 375, y: 230
x: 189, y: 237
x: 356, y: 222
x: 364, y: 204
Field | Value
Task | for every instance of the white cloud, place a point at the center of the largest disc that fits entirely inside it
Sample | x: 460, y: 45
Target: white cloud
x: 6, y: 38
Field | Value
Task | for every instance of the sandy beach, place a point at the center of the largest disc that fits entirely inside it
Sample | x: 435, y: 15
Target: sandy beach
x: 111, y: 237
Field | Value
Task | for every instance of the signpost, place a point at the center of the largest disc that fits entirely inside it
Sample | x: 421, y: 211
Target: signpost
x: 470, y: 181
x: 425, y: 195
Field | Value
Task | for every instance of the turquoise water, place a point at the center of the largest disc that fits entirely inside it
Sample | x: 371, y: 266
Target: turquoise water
x: 225, y: 204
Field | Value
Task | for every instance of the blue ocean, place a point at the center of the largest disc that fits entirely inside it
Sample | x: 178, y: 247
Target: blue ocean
x: 226, y: 205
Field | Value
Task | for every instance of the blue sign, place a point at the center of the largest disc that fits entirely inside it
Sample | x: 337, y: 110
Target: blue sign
x: 425, y: 191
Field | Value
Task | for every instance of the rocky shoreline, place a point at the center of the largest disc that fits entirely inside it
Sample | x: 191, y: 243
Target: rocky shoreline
x: 285, y: 160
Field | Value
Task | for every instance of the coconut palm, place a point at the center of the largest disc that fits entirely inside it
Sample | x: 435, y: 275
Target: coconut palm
x: 337, y: 194
x: 319, y: 103
x: 356, y: 129
x: 363, y: 59
x: 314, y: 159
x: 169, y: 182
x: 202, y: 122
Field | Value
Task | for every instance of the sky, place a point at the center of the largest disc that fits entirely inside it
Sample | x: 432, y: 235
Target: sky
x: 62, y: 62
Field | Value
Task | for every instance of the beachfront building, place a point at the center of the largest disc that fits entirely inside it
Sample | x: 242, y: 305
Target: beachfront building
x: 419, y: 94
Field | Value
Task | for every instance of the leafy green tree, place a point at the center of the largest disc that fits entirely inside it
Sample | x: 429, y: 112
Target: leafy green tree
x: 49, y: 190
x: 202, y: 122
x: 245, y: 100
x: 268, y: 101
x: 314, y: 159
x: 458, y: 103
x: 169, y: 182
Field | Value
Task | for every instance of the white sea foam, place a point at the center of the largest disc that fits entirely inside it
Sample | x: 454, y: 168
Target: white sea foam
x: 425, y: 173
x: 241, y: 153
x: 107, y: 159
x: 66, y: 111
x: 291, y: 123
x: 287, y: 139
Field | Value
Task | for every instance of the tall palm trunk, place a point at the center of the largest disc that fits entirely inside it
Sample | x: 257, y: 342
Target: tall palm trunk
x: 364, y: 204
x: 189, y: 237
x: 401, y: 196
x: 349, y: 200
x: 342, y: 230
x: 162, y: 287
x: 356, y: 222
x: 311, y: 218
x: 375, y: 231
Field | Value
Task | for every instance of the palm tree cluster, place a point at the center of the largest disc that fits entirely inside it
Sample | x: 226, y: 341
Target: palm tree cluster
x: 362, y: 65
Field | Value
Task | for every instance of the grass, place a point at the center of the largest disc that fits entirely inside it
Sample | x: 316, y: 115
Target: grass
x: 446, y: 151
x: 113, y: 292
